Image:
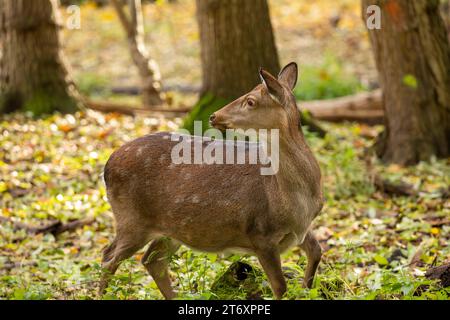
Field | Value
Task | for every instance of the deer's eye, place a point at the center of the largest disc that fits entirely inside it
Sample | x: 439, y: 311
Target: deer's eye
x: 251, y: 102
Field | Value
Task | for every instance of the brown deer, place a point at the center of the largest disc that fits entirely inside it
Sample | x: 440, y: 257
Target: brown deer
x: 217, y: 207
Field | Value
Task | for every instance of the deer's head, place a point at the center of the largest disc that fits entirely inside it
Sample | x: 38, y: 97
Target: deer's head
x: 270, y: 105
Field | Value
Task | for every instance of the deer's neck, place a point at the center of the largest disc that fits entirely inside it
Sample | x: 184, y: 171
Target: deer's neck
x: 299, y: 169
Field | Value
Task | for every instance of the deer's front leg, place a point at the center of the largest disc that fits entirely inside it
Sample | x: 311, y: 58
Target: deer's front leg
x: 271, y: 263
x: 314, y: 253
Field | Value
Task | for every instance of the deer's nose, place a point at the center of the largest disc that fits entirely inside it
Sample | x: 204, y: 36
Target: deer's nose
x: 212, y: 118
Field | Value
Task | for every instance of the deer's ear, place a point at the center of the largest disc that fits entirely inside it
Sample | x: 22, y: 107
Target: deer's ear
x: 288, y: 75
x: 271, y: 83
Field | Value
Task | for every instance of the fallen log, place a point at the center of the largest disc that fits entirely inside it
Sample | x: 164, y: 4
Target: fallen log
x: 135, y: 91
x: 54, y: 227
x: 366, y: 107
x: 397, y: 189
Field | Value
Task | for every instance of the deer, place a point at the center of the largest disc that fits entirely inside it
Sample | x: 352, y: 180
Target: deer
x: 219, y: 207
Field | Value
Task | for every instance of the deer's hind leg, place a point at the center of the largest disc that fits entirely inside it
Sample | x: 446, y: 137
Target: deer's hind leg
x: 124, y: 245
x: 314, y: 253
x: 156, y: 260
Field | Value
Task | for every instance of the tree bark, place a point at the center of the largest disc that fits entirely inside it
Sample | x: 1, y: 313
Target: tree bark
x: 33, y: 74
x: 236, y: 40
x: 413, y: 59
x: 147, y: 67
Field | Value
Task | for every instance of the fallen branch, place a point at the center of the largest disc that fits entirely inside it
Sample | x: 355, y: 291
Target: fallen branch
x: 398, y: 189
x: 14, y: 265
x: 54, y: 227
x: 70, y: 226
x: 108, y: 107
x: 441, y: 273
x: 438, y: 221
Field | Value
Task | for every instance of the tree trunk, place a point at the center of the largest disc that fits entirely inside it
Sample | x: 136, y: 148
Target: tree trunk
x: 236, y: 40
x: 413, y: 59
x: 147, y: 68
x: 33, y: 75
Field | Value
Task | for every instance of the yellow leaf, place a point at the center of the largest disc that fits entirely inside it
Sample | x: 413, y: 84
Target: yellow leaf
x: 107, y: 16
x: 21, y: 214
x: 435, y: 231
x: 11, y: 246
x: 6, y: 212
x: 3, y: 186
x: 89, y: 5
x: 103, y: 241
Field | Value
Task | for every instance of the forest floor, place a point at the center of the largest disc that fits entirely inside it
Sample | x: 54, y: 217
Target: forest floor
x: 376, y: 245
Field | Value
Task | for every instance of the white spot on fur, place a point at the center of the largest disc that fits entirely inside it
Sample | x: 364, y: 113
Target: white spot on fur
x: 195, y: 199
x: 178, y: 200
x: 225, y: 203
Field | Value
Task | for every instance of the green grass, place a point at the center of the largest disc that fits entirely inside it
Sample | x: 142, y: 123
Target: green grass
x: 92, y: 84
x: 326, y: 81
x: 57, y: 161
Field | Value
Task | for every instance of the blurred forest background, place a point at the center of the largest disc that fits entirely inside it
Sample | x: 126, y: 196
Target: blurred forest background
x: 375, y: 107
